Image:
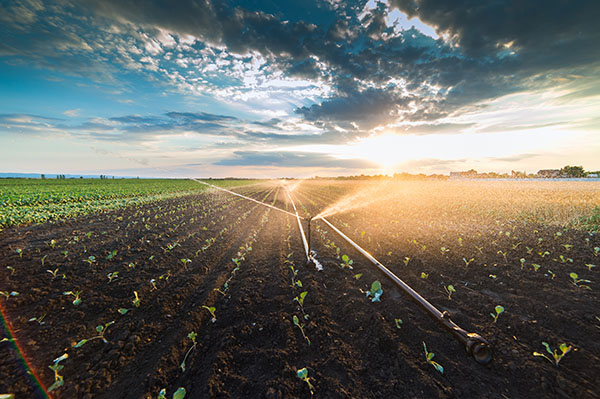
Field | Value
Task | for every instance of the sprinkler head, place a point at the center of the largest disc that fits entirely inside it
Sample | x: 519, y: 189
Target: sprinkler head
x: 479, y: 348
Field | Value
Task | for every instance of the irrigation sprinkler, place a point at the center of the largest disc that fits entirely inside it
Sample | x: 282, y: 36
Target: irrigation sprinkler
x: 475, y: 344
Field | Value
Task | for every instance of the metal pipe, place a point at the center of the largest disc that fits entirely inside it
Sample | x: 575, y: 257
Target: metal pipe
x: 308, y: 233
x: 475, y: 345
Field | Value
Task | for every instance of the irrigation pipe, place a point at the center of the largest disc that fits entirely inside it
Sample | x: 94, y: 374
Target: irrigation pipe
x: 476, y: 345
x: 310, y: 255
x: 248, y: 198
x: 306, y: 248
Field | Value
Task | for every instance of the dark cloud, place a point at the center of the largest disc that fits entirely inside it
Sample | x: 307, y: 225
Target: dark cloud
x: 555, y: 28
x: 293, y: 159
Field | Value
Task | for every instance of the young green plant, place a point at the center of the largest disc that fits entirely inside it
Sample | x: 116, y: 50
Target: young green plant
x: 192, y: 335
x: 429, y: 358
x: 376, y: 291
x: 101, y: 330
x: 303, y: 375
x: 499, y: 310
x: 297, y: 323
x: 556, y: 357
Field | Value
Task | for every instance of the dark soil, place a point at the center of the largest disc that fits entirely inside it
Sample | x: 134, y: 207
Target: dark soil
x: 253, y: 349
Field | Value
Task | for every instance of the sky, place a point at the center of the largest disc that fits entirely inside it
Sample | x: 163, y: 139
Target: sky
x: 268, y: 88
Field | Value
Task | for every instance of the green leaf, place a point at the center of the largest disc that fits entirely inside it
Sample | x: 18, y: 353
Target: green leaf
x: 547, y: 347
x: 57, y: 383
x: 180, y: 393
x: 296, y: 320
x: 182, y: 365
x: 303, y: 295
x: 357, y: 276
x: 302, y: 373
x: 345, y: 258
x: 162, y: 394
x: 430, y: 356
x: 80, y: 343
x: 564, y: 348
x: 77, y: 301
x: 499, y: 309
x: 99, y: 328
x: 574, y: 276
x: 376, y: 286
x: 438, y: 367
x: 123, y: 310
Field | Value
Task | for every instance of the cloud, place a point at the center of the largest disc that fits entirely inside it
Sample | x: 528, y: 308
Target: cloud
x: 72, y: 112
x: 292, y: 160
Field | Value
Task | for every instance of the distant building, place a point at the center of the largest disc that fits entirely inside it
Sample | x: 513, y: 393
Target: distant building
x: 549, y: 173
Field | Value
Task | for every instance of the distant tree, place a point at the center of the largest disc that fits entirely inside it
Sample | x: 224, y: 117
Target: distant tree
x: 573, y: 171
x: 42, y: 176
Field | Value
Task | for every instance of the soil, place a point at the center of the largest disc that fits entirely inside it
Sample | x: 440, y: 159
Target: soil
x: 253, y: 349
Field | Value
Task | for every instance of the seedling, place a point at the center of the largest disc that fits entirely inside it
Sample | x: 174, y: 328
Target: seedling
x: 468, y: 262
x: 19, y: 252
x: 535, y: 266
x: 303, y: 375
x: 179, y: 394
x: 480, y: 249
x: 543, y: 254
x: 596, y: 251
x: 56, y: 367
x: 460, y: 241
x: 347, y: 262
x: 551, y: 273
x: 522, y: 260
x: 131, y: 265
x: 576, y: 280
x: 76, y: 294
x: 65, y: 253
x: 101, y: 329
x: 556, y: 357
x: 136, y: 301
x: 529, y: 250
x: 449, y: 290
x: 38, y: 319
x: 406, y: 260
x: 299, y: 284
x: 153, y: 282
x: 54, y: 273
x: 590, y: 266
x: 444, y: 250
x: 424, y: 275
x: 112, y: 276
x: 112, y: 254
x: 12, y: 270
x: 376, y: 291
x: 185, y: 262
x: 192, y: 335
x: 567, y: 246
x: 90, y: 260
x: 429, y: 358
x: 212, y: 312
x: 357, y: 276
x: 44, y: 259
x: 493, y: 277
x: 296, y: 321
x: 123, y: 310
x: 564, y: 259
x: 398, y: 323
x: 499, y: 310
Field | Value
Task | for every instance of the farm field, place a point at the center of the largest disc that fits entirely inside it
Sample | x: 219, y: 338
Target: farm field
x: 200, y: 289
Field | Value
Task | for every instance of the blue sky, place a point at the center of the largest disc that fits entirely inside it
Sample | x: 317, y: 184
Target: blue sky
x: 324, y: 87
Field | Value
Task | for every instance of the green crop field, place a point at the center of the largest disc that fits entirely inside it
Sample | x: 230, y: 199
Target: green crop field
x: 25, y: 201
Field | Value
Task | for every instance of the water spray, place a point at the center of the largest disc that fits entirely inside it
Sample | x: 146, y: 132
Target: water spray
x: 475, y: 344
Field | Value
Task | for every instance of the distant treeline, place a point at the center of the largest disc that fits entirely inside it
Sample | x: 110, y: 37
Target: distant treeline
x: 396, y: 176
